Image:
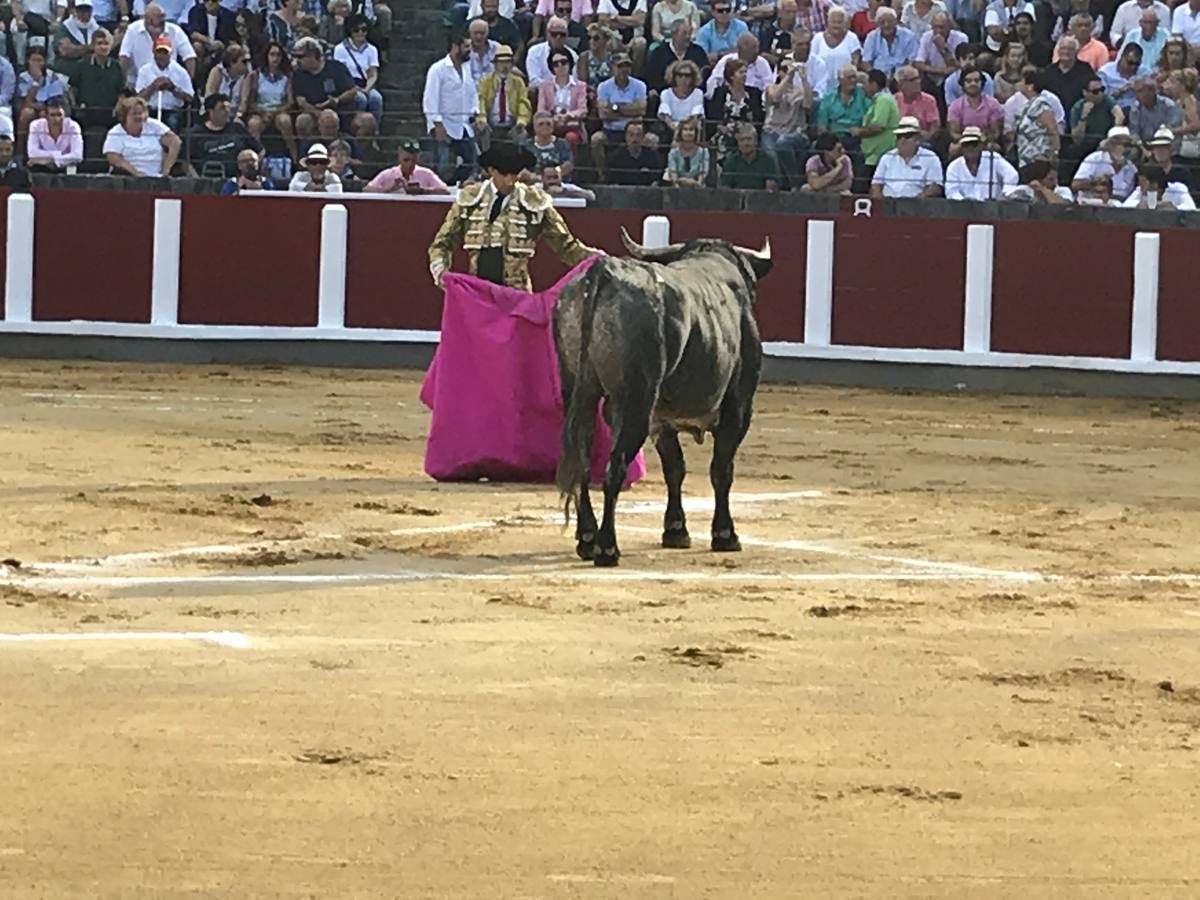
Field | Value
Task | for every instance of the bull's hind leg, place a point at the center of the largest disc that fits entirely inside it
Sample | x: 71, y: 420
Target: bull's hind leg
x: 585, y: 516
x: 727, y: 437
x: 630, y: 431
x: 675, y: 533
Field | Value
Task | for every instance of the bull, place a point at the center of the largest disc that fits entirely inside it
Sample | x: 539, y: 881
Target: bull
x: 668, y: 339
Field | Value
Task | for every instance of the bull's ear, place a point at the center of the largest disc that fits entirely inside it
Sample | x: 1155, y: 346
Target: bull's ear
x: 760, y: 260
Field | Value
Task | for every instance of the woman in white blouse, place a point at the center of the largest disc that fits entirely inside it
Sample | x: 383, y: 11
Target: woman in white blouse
x: 139, y: 145
x: 683, y: 99
x: 836, y: 46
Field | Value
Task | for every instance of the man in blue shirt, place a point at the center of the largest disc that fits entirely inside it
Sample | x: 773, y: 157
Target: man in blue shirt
x: 889, y: 45
x: 964, y: 55
x: 719, y: 35
x: 618, y: 100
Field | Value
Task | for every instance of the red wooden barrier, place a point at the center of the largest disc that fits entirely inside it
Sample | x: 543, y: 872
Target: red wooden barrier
x: 1178, y: 309
x: 899, y: 282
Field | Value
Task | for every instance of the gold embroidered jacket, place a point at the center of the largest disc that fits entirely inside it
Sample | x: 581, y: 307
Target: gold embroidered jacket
x: 527, y: 214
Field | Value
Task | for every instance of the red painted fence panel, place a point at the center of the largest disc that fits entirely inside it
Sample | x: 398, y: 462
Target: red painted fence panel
x: 899, y: 282
x: 92, y: 255
x: 1178, y: 284
x: 1062, y: 289
x: 387, y: 266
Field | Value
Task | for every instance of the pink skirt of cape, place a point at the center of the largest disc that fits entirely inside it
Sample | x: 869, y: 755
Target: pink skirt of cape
x: 494, y: 391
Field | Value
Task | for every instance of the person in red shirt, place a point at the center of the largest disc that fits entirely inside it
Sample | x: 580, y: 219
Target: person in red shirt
x: 912, y: 101
x: 862, y: 22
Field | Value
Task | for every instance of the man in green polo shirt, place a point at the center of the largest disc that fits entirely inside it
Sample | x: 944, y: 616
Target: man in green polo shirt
x: 881, y: 117
x: 843, y: 109
x: 97, y: 84
x: 750, y: 168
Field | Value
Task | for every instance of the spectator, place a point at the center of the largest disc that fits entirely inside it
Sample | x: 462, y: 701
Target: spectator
x: 362, y: 62
x: 978, y: 174
x: 841, y: 112
x: 1039, y: 184
x: 1088, y: 50
x: 1106, y: 173
x: 248, y: 33
x: 12, y: 176
x: 113, y: 15
x: 1176, y: 55
x: 688, y: 162
x: 634, y: 162
x: 451, y: 104
x: 1128, y: 15
x: 1007, y: 80
x: 890, y: 45
x: 836, y: 46
x: 1181, y: 89
x: 315, y: 176
x: 1119, y: 75
x: 828, y: 171
x: 501, y: 29
x: 718, y: 37
x: 269, y: 90
x: 880, y: 120
x: 964, y: 55
x: 862, y: 23
x: 918, y: 15
x: 618, y: 100
x: 329, y: 129
x: 214, y: 145
x: 139, y: 145
x: 72, y: 40
x: 137, y: 47
x: 1151, y: 112
x: 1091, y: 118
x: 565, y: 98
x: 789, y: 102
x: 758, y: 71
x: 547, y: 149
x: 813, y: 69
x: 406, y: 177
x: 537, y: 61
x: 573, y: 12
x: 976, y: 108
x: 333, y: 27
x: 1186, y: 21
x: 912, y: 101
x: 748, y: 167
x: 211, y: 29
x: 594, y: 65
x: 1035, y: 123
x: 1150, y: 36
x: 966, y: 16
x: 812, y: 15
x: 55, y: 142
x: 97, y: 84
x: 1153, y: 191
x: 504, y: 108
x: 282, y: 23
x: 627, y: 19
x: 1160, y: 147
x: 249, y: 177
x: 665, y: 13
x: 324, y: 84
x: 666, y: 53
x: 935, y: 54
x: 733, y: 103
x: 33, y: 86
x: 1036, y: 49
x: 553, y: 184
x: 1067, y: 78
x: 480, y: 51
x: 775, y: 36
x: 231, y: 77
x: 165, y: 85
x: 909, y: 170
x: 683, y: 100
x: 999, y: 19
x: 341, y: 164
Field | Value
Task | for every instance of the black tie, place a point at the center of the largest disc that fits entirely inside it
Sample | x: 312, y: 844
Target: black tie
x: 496, y: 204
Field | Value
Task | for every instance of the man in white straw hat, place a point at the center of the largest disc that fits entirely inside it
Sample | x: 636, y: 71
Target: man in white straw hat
x: 978, y: 174
x: 1106, y: 173
x: 910, y: 170
x: 316, y: 177
x: 1161, y: 148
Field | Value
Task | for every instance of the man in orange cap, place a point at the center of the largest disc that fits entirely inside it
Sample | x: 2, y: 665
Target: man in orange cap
x: 165, y: 85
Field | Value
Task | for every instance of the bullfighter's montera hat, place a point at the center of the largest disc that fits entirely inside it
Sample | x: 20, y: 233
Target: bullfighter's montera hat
x: 508, y: 159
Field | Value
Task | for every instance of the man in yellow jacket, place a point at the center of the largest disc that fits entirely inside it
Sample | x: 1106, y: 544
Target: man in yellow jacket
x: 504, y: 108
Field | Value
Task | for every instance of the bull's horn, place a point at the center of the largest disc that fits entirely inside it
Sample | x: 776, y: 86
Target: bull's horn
x: 765, y: 252
x: 651, y: 253
x: 630, y: 244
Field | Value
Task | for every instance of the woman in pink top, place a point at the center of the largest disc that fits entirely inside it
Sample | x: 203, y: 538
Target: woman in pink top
x: 974, y: 107
x: 565, y: 97
x: 55, y: 141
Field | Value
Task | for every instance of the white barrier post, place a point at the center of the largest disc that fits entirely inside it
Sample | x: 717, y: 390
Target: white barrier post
x: 656, y: 231
x: 977, y: 290
x: 1143, y: 336
x: 18, y: 275
x: 164, y: 273
x: 818, y: 284
x: 331, y: 290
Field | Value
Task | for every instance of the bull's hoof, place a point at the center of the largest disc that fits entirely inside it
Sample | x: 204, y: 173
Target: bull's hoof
x: 726, y: 542
x: 606, y: 557
x: 585, y: 546
x: 676, y: 539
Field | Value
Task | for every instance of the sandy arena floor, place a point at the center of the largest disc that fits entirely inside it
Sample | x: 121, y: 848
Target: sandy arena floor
x: 959, y: 657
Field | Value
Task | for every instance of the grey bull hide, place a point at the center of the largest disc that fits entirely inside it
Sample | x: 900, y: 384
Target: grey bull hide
x: 668, y: 339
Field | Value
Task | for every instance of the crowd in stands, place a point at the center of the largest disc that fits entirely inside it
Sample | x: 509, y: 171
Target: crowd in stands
x: 1046, y: 101
x: 251, y: 91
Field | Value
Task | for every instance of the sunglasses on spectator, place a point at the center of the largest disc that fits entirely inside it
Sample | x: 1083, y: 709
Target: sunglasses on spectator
x: 721, y: 9
x: 1095, y: 90
x: 561, y: 62
x: 558, y: 34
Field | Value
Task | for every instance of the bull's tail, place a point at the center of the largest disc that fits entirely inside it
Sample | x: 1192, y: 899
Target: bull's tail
x: 574, y: 459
